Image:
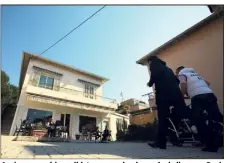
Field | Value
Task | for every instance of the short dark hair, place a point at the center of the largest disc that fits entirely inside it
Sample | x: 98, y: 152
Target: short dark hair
x: 180, y: 68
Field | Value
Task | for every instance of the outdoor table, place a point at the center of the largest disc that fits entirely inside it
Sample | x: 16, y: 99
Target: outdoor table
x: 39, y: 133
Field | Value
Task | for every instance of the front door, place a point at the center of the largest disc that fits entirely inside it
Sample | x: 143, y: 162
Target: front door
x: 65, y: 120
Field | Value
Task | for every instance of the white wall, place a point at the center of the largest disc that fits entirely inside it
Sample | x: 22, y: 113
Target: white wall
x: 112, y: 123
x: 74, y: 125
x: 21, y: 110
x: 69, y: 79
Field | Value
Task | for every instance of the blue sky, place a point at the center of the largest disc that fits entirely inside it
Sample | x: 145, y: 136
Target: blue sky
x: 109, y: 44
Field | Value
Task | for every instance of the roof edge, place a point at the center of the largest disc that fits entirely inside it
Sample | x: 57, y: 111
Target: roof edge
x: 32, y: 55
x: 182, y: 35
x: 21, y: 72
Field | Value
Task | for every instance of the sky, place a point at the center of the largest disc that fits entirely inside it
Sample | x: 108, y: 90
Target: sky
x: 109, y: 44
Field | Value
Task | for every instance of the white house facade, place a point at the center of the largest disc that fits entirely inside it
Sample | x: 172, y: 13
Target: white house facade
x: 67, y: 94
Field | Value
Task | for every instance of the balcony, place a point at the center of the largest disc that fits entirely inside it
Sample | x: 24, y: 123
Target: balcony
x: 71, y: 95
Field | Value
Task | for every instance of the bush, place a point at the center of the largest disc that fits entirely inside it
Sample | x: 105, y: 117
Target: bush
x: 139, y: 133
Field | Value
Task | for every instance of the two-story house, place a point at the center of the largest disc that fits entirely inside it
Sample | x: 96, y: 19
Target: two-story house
x: 49, y: 89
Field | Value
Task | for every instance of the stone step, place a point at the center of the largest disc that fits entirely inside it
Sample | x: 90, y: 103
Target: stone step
x: 26, y: 138
x: 40, y: 139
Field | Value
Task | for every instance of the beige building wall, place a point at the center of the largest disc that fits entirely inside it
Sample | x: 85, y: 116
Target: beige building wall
x: 134, y: 104
x: 144, y: 118
x: 203, y: 51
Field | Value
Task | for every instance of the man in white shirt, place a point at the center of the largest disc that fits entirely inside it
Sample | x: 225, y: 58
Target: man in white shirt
x: 202, y: 98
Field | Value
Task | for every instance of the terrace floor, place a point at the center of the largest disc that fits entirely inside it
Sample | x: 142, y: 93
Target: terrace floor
x: 92, y: 150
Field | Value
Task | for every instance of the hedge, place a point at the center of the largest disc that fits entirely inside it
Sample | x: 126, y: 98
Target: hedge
x: 138, y: 132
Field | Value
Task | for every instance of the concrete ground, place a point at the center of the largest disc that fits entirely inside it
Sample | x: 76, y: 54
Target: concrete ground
x: 91, y: 150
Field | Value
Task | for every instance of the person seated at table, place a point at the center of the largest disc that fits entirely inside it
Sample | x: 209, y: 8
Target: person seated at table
x: 51, y: 128
x: 97, y: 133
x: 84, y: 133
x: 64, y: 133
x: 106, y: 134
x: 26, y: 124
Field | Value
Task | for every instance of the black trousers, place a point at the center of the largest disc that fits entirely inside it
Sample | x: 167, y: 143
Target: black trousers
x: 97, y: 136
x: 206, y: 102
x: 163, y: 113
x: 51, y: 132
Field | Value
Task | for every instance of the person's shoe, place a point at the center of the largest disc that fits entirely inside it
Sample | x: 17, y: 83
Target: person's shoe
x: 156, y: 145
x: 206, y: 149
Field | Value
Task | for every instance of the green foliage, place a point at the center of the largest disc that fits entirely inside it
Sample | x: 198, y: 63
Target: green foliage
x: 40, y: 127
x: 9, y: 93
x: 139, y: 132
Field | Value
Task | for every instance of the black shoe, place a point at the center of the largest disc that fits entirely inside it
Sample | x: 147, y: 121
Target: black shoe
x: 206, y: 149
x: 156, y: 145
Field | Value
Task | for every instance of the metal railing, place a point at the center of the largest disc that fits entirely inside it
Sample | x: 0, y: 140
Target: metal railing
x: 72, y: 92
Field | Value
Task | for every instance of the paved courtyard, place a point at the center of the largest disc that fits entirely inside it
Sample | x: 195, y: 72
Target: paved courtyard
x: 91, y: 150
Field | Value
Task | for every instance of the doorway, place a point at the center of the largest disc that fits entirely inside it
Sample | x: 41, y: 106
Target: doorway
x: 65, y: 120
x: 87, y: 122
x: 105, y: 124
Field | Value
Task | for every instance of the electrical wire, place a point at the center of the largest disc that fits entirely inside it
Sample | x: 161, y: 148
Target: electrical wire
x: 73, y: 29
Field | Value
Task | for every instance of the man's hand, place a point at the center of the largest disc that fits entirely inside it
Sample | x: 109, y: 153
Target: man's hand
x: 186, y: 97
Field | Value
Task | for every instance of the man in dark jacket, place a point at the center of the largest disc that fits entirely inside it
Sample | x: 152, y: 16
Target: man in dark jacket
x: 167, y: 94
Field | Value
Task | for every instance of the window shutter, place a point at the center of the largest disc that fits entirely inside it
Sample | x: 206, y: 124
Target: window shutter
x: 35, y: 78
x: 56, y: 85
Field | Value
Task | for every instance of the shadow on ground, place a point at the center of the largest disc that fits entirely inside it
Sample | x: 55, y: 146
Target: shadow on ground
x: 119, y: 149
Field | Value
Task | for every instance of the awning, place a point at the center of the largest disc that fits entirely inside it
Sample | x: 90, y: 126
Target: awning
x: 67, y: 103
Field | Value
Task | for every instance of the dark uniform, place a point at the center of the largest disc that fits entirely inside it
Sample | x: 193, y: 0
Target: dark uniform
x: 168, y: 93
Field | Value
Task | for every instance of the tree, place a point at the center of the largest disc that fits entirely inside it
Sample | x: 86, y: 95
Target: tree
x: 9, y: 93
x: 127, y: 108
x: 5, y: 91
x: 13, y: 95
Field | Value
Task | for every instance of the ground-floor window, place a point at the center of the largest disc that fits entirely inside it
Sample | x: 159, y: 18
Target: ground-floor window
x: 38, y: 116
x: 88, y: 123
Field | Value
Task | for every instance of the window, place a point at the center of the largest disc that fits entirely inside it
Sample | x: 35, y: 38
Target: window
x: 38, y: 116
x: 89, y: 91
x: 46, y: 82
x: 89, y: 123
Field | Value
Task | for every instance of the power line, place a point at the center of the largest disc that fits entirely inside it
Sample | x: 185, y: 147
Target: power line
x: 74, y: 29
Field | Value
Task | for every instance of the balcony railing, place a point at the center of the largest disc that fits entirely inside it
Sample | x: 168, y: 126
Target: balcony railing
x: 144, y: 105
x: 73, y: 92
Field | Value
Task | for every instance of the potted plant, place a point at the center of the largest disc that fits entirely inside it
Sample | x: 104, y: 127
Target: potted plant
x: 77, y: 136
x: 39, y: 130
